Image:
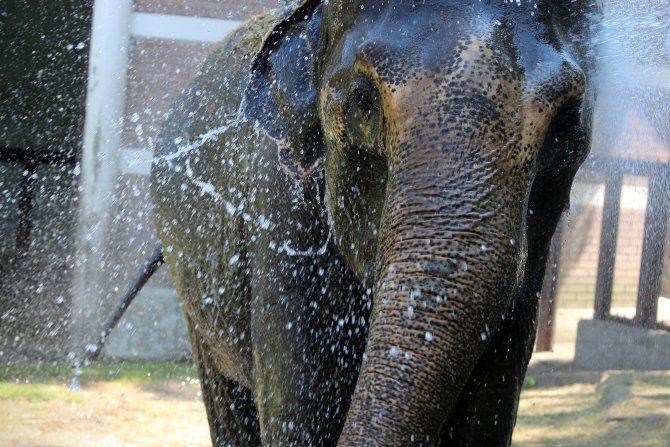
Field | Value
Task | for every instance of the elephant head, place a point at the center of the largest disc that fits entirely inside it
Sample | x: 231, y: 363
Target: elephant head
x: 448, y: 134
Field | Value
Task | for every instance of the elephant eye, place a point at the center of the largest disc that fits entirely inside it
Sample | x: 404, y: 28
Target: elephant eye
x: 361, y: 101
x: 363, y: 96
x: 363, y: 112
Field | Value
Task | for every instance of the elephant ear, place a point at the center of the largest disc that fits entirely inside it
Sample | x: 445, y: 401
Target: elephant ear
x: 282, y: 92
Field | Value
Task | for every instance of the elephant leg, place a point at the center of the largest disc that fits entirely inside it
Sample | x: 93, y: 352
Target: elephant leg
x: 307, y: 347
x: 485, y: 412
x: 231, y: 412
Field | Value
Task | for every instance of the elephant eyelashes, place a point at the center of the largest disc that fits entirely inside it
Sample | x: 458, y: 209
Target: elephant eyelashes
x: 362, y: 113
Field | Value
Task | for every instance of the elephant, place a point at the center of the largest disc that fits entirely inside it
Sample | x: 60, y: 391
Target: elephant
x: 355, y: 201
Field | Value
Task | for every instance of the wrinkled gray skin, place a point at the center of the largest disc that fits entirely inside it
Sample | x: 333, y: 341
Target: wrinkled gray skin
x: 372, y: 186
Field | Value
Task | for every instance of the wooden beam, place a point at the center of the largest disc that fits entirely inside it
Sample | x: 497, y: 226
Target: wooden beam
x: 547, y: 313
x: 25, y: 206
x: 28, y: 155
x: 653, y: 246
x: 609, y: 231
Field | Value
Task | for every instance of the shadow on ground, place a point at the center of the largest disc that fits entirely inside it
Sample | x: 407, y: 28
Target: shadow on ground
x: 561, y: 373
x: 561, y: 406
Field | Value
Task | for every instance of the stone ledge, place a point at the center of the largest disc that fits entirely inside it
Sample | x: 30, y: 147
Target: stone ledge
x: 605, y: 345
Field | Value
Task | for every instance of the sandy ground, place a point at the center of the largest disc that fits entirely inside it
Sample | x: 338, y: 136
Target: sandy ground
x: 107, y: 414
x: 563, y: 408
x: 579, y: 408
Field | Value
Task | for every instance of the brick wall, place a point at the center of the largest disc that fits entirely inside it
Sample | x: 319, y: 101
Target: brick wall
x: 217, y: 9
x: 633, y: 137
x: 579, y: 258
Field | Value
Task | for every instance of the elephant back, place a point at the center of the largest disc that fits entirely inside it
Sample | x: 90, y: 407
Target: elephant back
x: 199, y: 177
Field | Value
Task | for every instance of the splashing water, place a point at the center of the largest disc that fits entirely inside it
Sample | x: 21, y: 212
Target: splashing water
x: 232, y: 120
x: 74, y: 384
x: 633, y: 50
x: 207, y: 188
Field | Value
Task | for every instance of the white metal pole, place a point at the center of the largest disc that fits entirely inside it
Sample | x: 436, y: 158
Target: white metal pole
x: 99, y: 169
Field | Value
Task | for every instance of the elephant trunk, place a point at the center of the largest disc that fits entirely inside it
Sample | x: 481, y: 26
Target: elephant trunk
x: 450, y: 258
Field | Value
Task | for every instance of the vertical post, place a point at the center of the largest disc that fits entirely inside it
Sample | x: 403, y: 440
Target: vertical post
x: 653, y: 246
x: 26, y: 208
x: 609, y: 231
x: 547, y: 315
x: 99, y: 166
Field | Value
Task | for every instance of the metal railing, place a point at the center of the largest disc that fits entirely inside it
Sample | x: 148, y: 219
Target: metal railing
x: 653, y: 245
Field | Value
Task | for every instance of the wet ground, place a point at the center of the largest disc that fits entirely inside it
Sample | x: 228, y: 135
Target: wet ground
x: 559, y: 407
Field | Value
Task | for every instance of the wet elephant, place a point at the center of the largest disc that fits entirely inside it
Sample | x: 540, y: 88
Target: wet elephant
x: 355, y: 201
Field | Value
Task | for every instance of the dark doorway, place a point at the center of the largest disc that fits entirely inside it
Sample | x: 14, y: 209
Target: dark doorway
x: 44, y: 53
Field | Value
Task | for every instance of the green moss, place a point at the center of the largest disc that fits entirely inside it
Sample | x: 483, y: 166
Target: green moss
x: 529, y: 381
x: 36, y: 392
x: 126, y: 371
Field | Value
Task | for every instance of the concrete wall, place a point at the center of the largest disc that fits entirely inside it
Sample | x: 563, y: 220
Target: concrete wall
x: 665, y: 290
x: 153, y: 329
x: 603, y: 345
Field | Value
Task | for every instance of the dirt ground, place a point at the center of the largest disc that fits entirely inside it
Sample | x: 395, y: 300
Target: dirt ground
x: 107, y: 414
x: 559, y: 407
x: 588, y: 409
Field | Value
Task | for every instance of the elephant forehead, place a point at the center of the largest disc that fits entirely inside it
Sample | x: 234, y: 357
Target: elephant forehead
x: 399, y: 54
x: 476, y: 85
x: 472, y: 108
